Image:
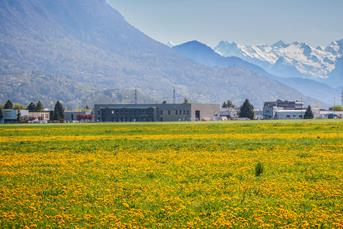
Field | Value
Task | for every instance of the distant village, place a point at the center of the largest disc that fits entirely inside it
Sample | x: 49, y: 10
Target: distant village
x: 165, y: 112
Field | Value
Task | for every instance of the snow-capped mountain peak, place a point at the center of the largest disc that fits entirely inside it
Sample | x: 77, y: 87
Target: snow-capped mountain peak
x: 170, y: 44
x: 279, y: 44
x: 287, y: 59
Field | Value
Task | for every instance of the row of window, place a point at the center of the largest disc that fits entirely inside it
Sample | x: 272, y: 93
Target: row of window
x: 131, y: 112
x: 294, y: 116
x: 176, y: 112
x: 127, y: 119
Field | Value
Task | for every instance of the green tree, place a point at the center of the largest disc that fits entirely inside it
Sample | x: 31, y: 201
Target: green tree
x: 59, y: 112
x: 39, y: 107
x: 185, y: 101
x: 8, y: 105
x: 18, y: 115
x: 224, y: 105
x: 246, y: 110
x: 230, y: 104
x: 336, y: 108
x: 31, y: 107
x: 308, y: 113
x: 18, y: 106
x: 1, y: 115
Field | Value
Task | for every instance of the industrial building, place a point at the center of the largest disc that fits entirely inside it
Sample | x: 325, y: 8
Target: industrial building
x: 283, y: 109
x: 154, y: 112
x: 9, y: 116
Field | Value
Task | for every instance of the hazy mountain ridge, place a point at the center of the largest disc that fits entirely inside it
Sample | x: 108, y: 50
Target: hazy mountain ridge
x: 203, y: 54
x: 90, y: 46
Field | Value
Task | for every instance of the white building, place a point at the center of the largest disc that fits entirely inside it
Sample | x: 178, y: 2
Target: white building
x: 41, y: 117
x: 330, y: 114
x: 227, y: 114
x: 283, y: 109
x: 289, y: 114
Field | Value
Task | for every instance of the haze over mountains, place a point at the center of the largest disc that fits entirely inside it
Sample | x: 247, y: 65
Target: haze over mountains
x: 83, y: 51
x: 203, y: 54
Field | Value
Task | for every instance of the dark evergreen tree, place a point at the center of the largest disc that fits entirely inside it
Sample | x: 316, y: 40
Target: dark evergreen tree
x: 8, y: 105
x: 185, y: 101
x: 58, y: 112
x: 1, y: 115
x: 247, y: 110
x: 224, y: 105
x: 31, y: 107
x: 308, y: 113
x: 39, y: 106
x: 18, y: 115
x: 230, y: 104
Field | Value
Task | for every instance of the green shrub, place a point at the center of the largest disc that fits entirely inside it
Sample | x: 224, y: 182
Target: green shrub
x: 258, y: 169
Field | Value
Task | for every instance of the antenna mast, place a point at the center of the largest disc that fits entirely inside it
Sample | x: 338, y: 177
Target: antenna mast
x: 174, y: 96
x: 135, y: 95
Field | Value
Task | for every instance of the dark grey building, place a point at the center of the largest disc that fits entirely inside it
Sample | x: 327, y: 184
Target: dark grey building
x: 154, y: 112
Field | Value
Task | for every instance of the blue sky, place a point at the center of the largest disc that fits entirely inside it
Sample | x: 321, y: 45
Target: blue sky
x: 317, y: 22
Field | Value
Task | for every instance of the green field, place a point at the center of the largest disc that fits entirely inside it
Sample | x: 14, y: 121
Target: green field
x: 172, y: 175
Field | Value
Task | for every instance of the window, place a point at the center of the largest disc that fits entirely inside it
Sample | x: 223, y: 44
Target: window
x: 176, y: 112
x: 168, y: 112
x: 197, y: 115
x: 161, y: 112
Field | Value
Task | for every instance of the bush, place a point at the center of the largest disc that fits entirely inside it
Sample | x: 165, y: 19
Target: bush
x: 258, y: 169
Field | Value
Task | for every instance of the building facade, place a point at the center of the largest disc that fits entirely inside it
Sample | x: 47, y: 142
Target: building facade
x: 289, y: 114
x: 9, y: 116
x: 42, y: 116
x: 154, y: 112
x: 78, y: 116
x: 283, y: 109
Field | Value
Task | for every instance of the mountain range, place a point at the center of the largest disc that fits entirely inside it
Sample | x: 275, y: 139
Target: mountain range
x: 203, y: 54
x: 85, y: 52
x: 292, y: 60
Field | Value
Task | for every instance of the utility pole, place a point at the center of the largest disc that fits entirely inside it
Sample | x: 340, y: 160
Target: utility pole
x: 135, y: 95
x: 301, y: 102
x: 174, y: 96
x: 334, y: 106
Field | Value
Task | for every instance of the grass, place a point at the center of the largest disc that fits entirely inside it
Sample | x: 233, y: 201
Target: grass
x: 172, y: 174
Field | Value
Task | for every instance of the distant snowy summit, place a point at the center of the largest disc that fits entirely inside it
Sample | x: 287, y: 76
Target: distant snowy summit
x: 288, y: 59
x: 170, y: 44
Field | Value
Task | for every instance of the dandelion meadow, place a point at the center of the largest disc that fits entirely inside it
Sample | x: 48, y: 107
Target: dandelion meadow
x: 234, y: 174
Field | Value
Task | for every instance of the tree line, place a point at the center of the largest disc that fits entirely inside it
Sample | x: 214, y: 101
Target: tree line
x: 56, y: 115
